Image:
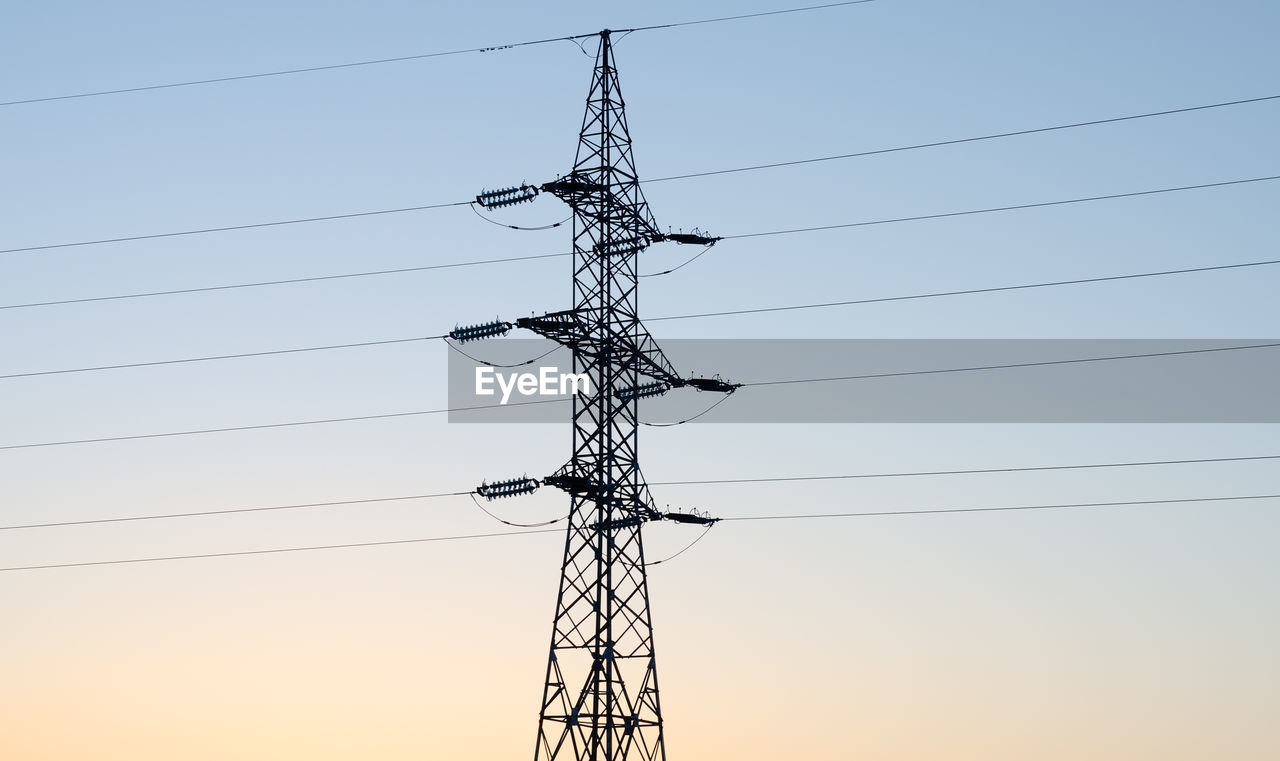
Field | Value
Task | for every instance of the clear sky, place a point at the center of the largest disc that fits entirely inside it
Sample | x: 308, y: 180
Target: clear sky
x: 1143, y: 632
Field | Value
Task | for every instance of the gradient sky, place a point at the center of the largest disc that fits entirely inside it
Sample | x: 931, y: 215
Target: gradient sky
x: 1131, y: 633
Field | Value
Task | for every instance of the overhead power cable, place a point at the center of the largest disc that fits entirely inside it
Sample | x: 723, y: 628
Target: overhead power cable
x: 290, y: 424
x: 1008, y: 508
x: 414, y: 339
x: 718, y: 314
x: 700, y: 482
x: 966, y: 291
x: 876, y: 300
x: 279, y: 550
x: 289, y: 281
x: 277, y: 73
x: 994, y: 209
x: 269, y: 353
x: 1015, y: 365
x: 930, y: 511
x: 228, y: 228
x: 744, y: 16
x: 219, y: 357
x: 700, y: 315
x: 968, y: 471
x: 236, y: 510
x: 384, y: 416
x: 956, y: 141
x: 415, y: 57
x: 962, y: 140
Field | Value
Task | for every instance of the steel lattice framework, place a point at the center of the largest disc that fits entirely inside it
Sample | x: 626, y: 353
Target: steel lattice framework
x: 600, y: 700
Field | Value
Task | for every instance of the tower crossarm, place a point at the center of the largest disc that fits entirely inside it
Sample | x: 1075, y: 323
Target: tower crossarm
x: 568, y: 328
x: 636, y: 504
x: 596, y: 199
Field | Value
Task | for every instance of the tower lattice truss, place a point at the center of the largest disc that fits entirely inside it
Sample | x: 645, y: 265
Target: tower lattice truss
x: 600, y: 700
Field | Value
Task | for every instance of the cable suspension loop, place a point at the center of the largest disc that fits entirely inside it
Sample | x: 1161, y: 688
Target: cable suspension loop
x: 687, y: 547
x: 506, y: 522
x: 715, y: 404
x: 518, y: 227
x: 680, y: 266
x: 487, y: 363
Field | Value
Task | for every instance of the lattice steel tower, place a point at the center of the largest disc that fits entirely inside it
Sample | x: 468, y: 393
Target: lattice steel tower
x: 600, y: 700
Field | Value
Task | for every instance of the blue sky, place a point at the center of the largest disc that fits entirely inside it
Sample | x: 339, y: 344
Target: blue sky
x: 1111, y: 629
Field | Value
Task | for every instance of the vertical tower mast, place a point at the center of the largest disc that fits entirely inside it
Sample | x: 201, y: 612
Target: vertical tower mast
x: 601, y: 695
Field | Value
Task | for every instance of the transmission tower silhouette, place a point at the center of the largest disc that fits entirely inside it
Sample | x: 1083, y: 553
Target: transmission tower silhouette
x: 600, y: 699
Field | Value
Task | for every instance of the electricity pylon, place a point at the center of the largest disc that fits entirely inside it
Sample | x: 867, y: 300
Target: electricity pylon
x: 600, y: 699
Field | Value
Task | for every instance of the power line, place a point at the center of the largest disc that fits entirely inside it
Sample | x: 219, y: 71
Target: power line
x: 235, y: 510
x: 291, y: 424
x: 218, y: 357
x: 401, y: 59
x: 282, y: 549
x: 869, y: 376
x: 939, y: 511
x: 932, y: 511
x: 255, y: 225
x: 967, y: 291
x: 994, y: 209
x: 744, y: 16
x: 289, y: 281
x: 755, y: 167
x: 268, y: 353
x: 962, y: 140
x: 705, y: 314
x: 876, y: 300
x: 278, y: 73
x: 972, y: 471
x: 1015, y: 365
x: 714, y: 481
x: 821, y: 305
